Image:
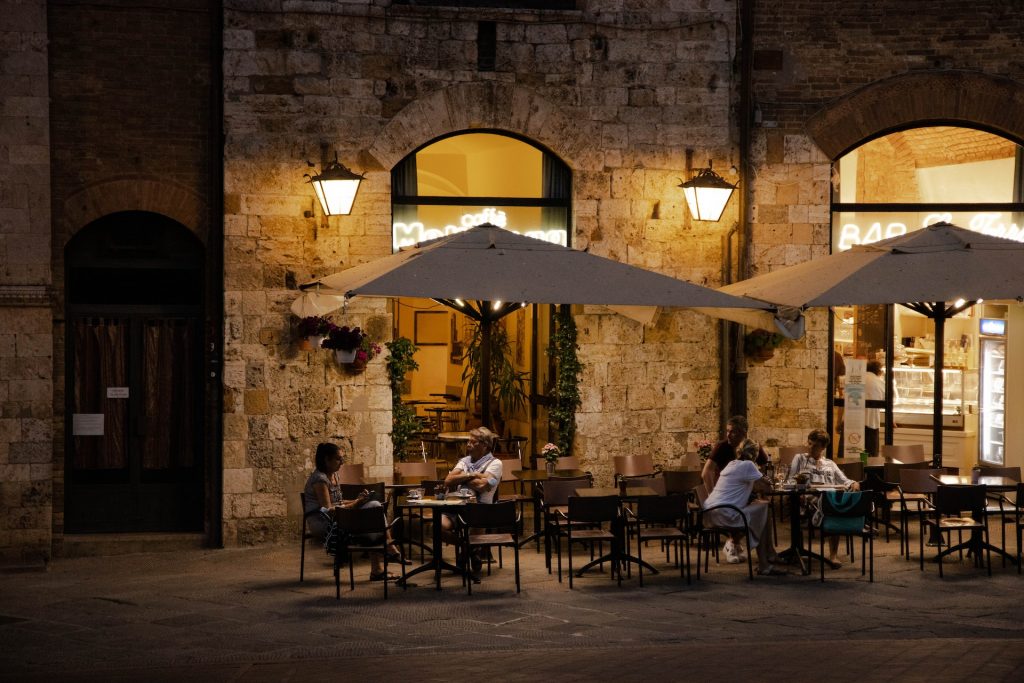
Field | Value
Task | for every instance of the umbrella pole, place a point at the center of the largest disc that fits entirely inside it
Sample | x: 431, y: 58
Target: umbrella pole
x: 485, y: 365
x: 940, y: 361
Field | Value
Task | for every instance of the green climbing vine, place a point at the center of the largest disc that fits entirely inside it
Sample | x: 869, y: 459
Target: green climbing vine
x: 566, y: 395
x: 404, y: 422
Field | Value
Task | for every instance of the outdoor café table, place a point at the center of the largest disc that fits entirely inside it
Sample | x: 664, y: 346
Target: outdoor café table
x: 975, y: 544
x: 436, y: 562
x: 619, y: 553
x: 454, y: 437
x: 876, y: 463
x: 796, y: 551
x: 534, y: 476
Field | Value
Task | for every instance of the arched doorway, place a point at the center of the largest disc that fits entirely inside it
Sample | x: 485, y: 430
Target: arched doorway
x: 134, y: 387
x: 900, y: 182
x: 452, y: 183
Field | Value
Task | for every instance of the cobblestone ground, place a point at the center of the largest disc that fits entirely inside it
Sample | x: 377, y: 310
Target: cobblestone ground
x: 241, y: 614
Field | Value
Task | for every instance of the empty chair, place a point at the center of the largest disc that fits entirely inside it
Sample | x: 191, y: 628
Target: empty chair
x: 854, y: 471
x: 680, y: 481
x: 917, y: 486
x: 632, y: 466
x: 589, y: 520
x: 663, y: 518
x: 655, y: 483
x: 554, y: 499
x: 415, y: 472
x: 949, y: 505
x: 786, y: 455
x: 1000, y: 506
x: 905, y: 453
x: 488, y: 526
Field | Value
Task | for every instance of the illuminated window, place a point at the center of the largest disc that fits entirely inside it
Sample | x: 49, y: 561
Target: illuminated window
x: 463, y: 180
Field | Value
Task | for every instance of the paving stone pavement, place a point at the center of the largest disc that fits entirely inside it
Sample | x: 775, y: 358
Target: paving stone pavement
x: 241, y: 614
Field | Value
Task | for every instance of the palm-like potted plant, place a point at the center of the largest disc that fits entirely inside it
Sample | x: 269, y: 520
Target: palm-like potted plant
x: 345, y: 342
x: 508, y: 385
x: 313, y: 329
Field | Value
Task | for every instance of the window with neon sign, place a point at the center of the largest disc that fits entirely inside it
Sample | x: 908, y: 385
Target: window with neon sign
x: 463, y: 180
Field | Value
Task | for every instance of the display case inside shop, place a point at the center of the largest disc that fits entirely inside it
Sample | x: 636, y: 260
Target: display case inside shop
x: 913, y: 403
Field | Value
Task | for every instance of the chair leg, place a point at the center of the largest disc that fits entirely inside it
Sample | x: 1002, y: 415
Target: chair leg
x: 568, y: 548
x: 302, y: 559
x: 515, y: 550
x: 639, y: 556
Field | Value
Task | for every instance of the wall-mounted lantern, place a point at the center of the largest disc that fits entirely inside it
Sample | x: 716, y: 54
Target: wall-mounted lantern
x: 336, y: 187
x: 706, y: 194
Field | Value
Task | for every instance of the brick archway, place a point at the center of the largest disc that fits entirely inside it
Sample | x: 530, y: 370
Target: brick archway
x: 132, y: 194
x: 468, y: 106
x: 940, y: 97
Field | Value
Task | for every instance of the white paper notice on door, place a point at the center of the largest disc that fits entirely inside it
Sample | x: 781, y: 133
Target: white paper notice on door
x: 117, y: 392
x: 87, y: 424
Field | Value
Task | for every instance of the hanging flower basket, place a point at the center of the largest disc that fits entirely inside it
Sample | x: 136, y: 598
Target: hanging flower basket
x: 760, y: 345
x: 311, y: 343
x: 344, y: 357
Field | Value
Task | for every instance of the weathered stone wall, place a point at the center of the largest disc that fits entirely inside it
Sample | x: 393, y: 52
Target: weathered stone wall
x: 618, y: 96
x: 828, y: 76
x: 26, y: 346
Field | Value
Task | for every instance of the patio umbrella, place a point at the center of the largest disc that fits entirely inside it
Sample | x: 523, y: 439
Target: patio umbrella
x: 487, y: 272
x: 921, y: 270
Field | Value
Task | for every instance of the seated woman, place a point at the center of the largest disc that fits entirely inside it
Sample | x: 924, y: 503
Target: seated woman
x: 323, y: 493
x: 821, y: 471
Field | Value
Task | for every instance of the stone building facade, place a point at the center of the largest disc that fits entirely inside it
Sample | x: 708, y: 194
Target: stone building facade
x: 771, y: 91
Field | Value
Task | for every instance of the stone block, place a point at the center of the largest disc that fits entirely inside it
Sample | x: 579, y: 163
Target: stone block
x: 257, y: 402
x: 238, y: 480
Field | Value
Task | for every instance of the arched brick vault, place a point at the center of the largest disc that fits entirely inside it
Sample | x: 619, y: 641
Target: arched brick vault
x: 951, y: 97
x: 131, y: 194
x: 501, y: 106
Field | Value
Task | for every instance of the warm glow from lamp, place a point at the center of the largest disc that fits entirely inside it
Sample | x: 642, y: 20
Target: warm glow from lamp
x: 706, y: 194
x: 336, y: 187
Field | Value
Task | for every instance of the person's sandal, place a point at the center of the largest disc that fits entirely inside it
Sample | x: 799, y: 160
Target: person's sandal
x: 374, y: 576
x: 396, y: 558
x: 771, y: 570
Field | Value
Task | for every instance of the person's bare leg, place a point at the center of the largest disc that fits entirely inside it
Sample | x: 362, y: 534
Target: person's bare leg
x: 833, y: 549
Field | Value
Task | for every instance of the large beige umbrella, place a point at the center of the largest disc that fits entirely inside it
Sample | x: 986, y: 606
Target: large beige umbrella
x: 922, y: 270
x: 487, y: 272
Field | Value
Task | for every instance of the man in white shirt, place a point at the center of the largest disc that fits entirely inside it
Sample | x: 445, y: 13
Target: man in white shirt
x: 479, y: 471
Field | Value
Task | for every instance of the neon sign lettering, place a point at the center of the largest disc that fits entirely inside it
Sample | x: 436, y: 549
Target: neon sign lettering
x: 408, y: 234
x: 987, y: 223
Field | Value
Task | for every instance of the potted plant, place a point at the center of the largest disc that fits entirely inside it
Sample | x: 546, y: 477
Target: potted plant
x: 508, y: 385
x: 344, y: 341
x: 404, y: 422
x: 704, y: 448
x: 313, y: 329
x: 760, y: 345
x: 367, y: 351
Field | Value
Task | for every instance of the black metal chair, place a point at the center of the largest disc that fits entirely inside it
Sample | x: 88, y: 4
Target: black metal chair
x: 850, y: 518
x: 306, y: 534
x: 487, y: 526
x: 365, y: 529
x: 707, y: 535
x: 666, y: 518
x: 553, y: 496
x: 949, y: 505
x: 1019, y: 523
x: 590, y: 520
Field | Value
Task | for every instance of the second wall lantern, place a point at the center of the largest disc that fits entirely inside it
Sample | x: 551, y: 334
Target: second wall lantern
x: 706, y: 194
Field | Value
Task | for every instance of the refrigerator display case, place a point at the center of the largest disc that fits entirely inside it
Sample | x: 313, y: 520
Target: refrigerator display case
x: 991, y: 441
x: 913, y: 402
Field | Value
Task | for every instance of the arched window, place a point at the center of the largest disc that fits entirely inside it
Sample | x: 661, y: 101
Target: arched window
x: 466, y: 179
x: 452, y: 184
x: 898, y: 183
